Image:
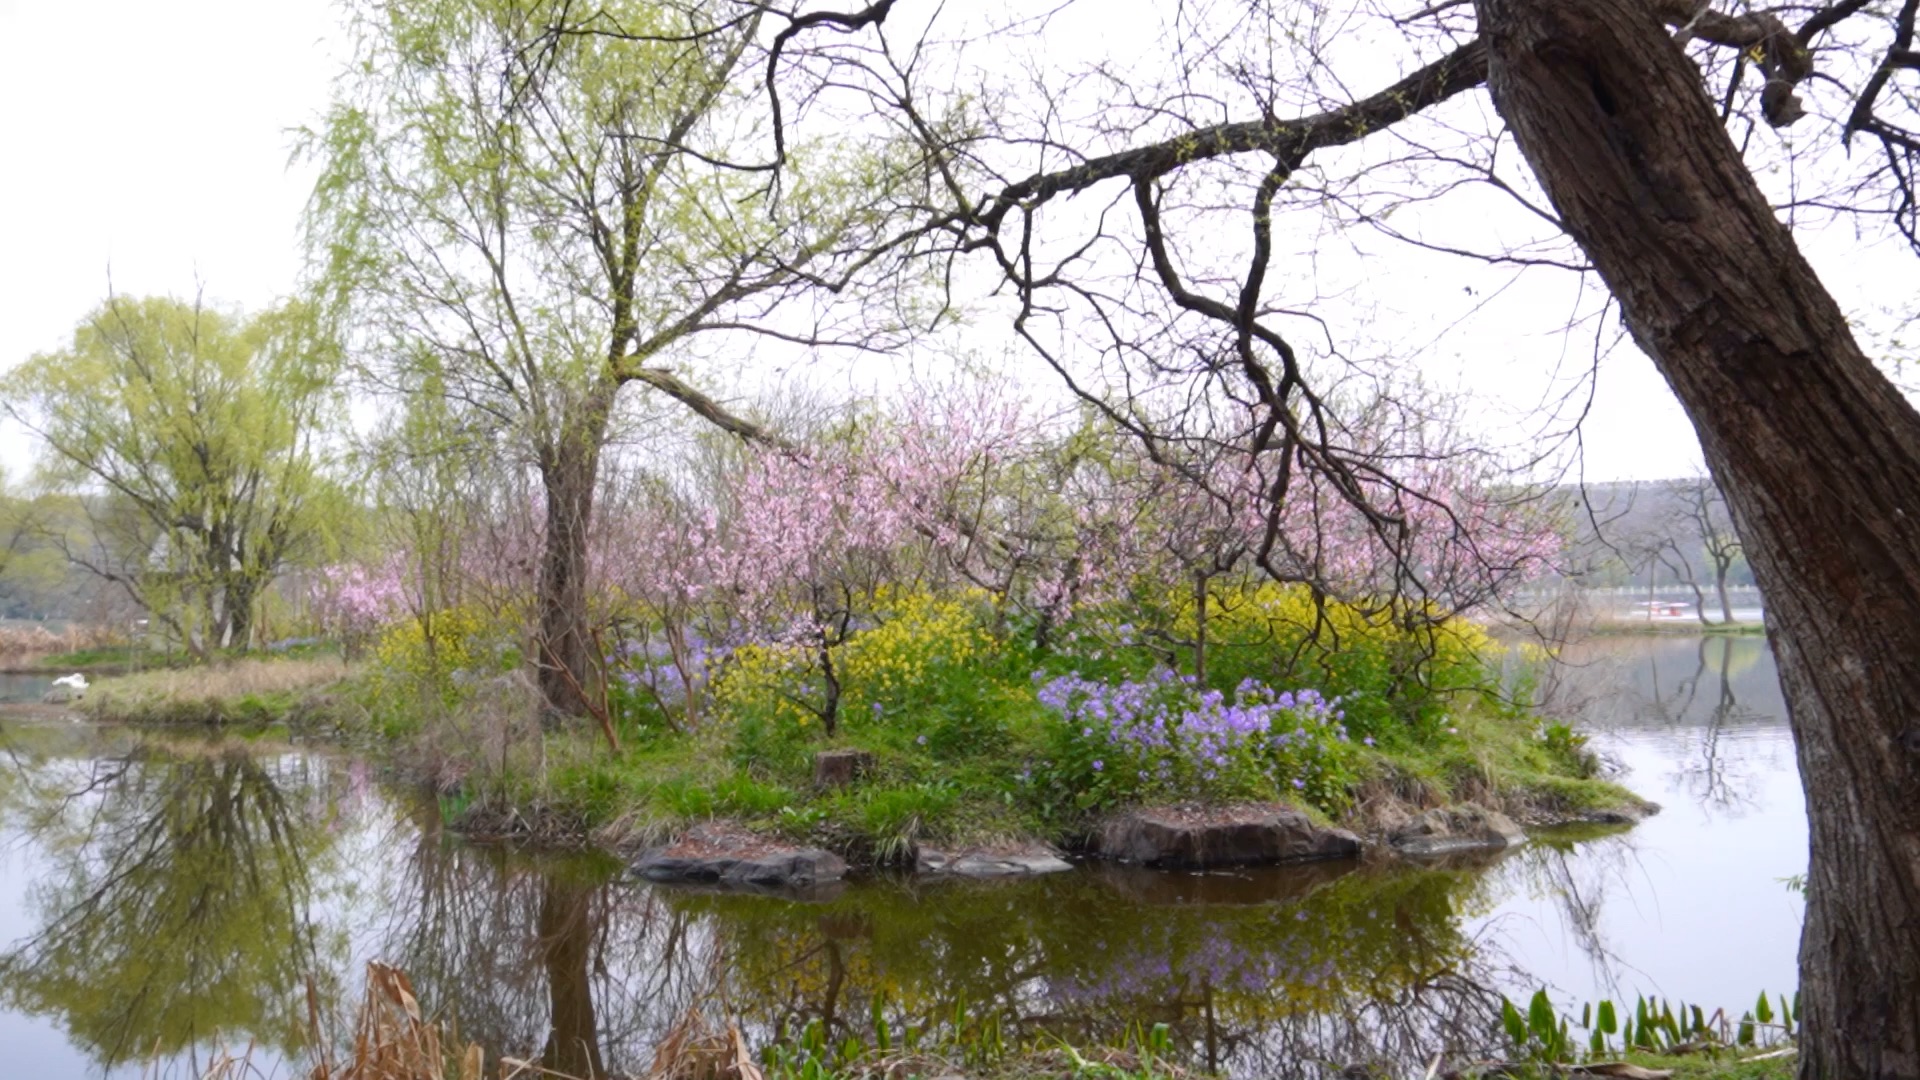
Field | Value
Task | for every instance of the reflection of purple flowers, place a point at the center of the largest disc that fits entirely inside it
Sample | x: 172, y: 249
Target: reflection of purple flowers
x: 1175, y: 733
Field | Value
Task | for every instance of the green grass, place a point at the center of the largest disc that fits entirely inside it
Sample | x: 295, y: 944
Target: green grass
x: 1630, y: 628
x: 964, y: 780
x: 1724, y: 1065
x: 108, y: 658
x: 912, y: 795
x: 1493, y: 758
x: 667, y: 784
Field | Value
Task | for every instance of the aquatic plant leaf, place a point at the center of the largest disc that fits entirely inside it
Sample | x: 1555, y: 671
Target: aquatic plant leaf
x: 1540, y: 1017
x: 1516, y: 1025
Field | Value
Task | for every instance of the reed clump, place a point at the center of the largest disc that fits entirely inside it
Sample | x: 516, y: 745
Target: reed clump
x: 20, y: 645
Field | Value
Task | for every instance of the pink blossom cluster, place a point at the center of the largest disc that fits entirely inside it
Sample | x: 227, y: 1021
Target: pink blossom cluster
x: 965, y: 488
x: 354, y: 600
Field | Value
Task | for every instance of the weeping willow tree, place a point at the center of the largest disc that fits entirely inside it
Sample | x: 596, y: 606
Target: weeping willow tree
x: 526, y: 207
x: 198, y: 439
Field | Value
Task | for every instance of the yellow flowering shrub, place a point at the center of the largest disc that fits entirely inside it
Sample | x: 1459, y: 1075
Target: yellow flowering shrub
x: 1388, y: 674
x: 927, y: 669
x: 424, y: 651
x: 769, y: 684
x: 432, y: 645
x: 922, y: 642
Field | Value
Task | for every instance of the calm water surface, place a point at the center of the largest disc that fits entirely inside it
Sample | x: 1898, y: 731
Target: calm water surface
x: 160, y: 900
x: 14, y: 687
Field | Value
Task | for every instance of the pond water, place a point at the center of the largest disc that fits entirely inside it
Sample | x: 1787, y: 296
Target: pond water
x: 16, y: 687
x: 159, y: 901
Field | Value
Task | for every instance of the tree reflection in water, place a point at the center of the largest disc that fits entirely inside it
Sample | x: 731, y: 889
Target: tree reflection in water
x: 173, y: 909
x: 548, y: 956
x: 1696, y: 692
x: 189, y: 898
x: 1266, y: 973
x: 1578, y: 867
x: 1270, y: 973
x: 1706, y: 711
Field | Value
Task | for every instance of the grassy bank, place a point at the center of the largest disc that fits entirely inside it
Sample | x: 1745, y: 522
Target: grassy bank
x: 968, y: 731
x: 248, y: 690
x: 1624, y: 627
x: 567, y: 787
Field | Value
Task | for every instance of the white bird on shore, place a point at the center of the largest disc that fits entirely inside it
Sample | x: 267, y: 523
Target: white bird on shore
x: 66, y: 689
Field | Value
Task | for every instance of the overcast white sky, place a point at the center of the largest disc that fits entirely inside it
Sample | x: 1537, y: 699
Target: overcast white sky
x: 151, y: 141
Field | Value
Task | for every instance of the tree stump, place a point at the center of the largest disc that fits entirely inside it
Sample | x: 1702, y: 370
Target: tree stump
x: 839, y: 768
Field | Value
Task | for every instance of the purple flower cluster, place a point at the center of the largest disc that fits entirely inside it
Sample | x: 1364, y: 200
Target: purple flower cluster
x: 1181, y: 738
x: 649, y: 666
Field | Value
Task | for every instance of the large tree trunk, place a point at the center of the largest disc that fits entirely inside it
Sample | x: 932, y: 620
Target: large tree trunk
x: 1817, y: 453
x: 242, y: 591
x: 568, y: 663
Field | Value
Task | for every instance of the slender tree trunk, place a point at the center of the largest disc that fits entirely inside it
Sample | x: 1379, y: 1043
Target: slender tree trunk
x: 1818, y: 456
x: 1720, y: 585
x: 1684, y: 571
x: 1200, y: 625
x: 829, y: 684
x: 1653, y: 574
x: 570, y: 473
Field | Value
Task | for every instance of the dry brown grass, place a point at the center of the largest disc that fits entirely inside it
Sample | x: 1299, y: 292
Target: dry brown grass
x: 392, y: 1040
x: 162, y: 693
x: 25, y: 644
x: 698, y: 1049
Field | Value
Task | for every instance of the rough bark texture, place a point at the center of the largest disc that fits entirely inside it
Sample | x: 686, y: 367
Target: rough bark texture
x: 840, y: 768
x: 570, y: 473
x: 1817, y: 454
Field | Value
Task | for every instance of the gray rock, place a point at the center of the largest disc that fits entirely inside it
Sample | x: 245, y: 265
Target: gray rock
x: 1182, y: 839
x: 61, y: 695
x: 1458, y: 828
x: 714, y: 855
x: 978, y: 864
